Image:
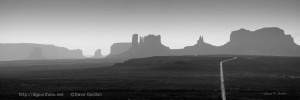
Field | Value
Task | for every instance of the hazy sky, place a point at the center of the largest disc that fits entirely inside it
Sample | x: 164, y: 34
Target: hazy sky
x: 97, y: 24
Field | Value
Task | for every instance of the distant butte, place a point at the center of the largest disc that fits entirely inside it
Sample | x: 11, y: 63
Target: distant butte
x: 98, y: 54
x: 29, y: 51
x: 266, y: 41
x: 271, y: 41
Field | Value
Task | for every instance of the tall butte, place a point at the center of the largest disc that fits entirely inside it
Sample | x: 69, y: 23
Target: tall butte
x: 265, y: 41
x: 135, y: 38
x: 147, y: 46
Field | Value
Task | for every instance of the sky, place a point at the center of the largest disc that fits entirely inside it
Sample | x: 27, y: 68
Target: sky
x: 97, y: 24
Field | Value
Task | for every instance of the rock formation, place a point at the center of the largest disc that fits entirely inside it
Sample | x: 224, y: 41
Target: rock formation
x: 150, y: 45
x: 118, y: 48
x: 200, y: 41
x: 147, y: 46
x: 135, y: 38
x: 265, y: 41
x: 36, y: 54
x: 98, y: 54
x: 22, y: 51
x: 201, y: 48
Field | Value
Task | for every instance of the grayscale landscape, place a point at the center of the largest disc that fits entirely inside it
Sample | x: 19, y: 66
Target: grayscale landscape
x: 149, y: 50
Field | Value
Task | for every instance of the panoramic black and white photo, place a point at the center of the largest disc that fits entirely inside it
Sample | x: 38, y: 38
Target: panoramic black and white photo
x: 149, y: 49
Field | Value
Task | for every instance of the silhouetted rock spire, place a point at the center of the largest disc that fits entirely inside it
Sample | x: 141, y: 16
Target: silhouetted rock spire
x: 201, y: 48
x: 135, y: 38
x: 201, y: 40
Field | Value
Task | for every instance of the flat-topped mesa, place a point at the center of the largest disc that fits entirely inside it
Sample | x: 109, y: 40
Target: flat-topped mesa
x: 265, y: 36
x: 265, y: 41
x: 25, y: 51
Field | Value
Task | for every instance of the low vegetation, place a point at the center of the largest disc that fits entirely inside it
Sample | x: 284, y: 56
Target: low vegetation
x: 168, y: 77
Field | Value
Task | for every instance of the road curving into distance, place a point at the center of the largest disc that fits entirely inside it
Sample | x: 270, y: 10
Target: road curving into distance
x: 223, y: 94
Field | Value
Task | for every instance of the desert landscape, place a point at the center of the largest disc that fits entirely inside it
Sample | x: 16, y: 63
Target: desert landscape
x: 172, y: 77
x: 149, y: 50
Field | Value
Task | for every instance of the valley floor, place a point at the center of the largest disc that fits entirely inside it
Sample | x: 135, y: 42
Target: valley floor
x: 154, y: 78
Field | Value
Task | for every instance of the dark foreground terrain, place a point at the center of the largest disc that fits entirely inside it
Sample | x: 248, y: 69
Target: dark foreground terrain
x: 154, y: 78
